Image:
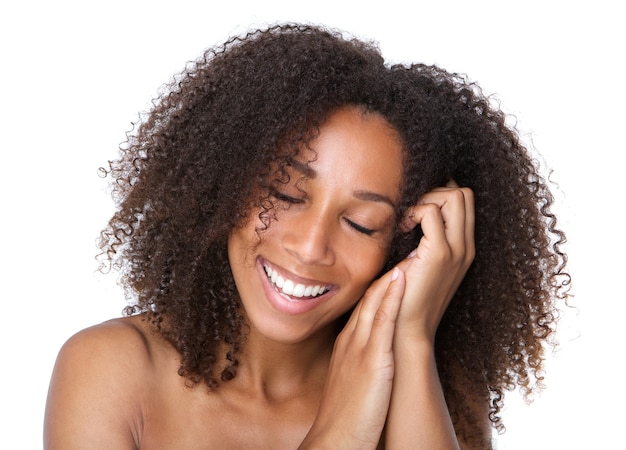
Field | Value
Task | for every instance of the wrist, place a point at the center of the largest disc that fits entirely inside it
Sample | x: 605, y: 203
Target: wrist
x: 414, y: 336
x: 412, y: 350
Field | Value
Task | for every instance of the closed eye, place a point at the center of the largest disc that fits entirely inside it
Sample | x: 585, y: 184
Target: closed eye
x: 286, y: 198
x: 360, y: 228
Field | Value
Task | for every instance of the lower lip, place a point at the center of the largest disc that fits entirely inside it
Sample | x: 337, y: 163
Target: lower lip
x: 282, y: 304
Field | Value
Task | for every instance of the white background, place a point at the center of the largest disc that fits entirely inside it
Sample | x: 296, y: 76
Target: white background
x: 74, y: 75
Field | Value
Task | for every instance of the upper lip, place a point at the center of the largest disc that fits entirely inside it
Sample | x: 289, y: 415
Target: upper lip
x: 292, y: 276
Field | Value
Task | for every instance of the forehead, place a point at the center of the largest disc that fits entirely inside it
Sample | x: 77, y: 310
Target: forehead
x: 358, y: 148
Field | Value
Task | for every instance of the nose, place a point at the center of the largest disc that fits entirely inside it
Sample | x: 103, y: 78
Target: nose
x: 308, y: 237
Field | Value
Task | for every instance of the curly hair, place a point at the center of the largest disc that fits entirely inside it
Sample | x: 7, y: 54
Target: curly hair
x: 200, y: 160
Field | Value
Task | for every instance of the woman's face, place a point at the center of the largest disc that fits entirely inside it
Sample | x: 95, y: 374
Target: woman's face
x: 333, y: 224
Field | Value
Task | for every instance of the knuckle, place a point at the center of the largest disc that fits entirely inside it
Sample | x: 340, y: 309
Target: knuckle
x: 457, y: 195
x: 471, y: 253
x: 431, y: 208
x: 468, y: 193
x: 442, y: 255
x: 381, y: 317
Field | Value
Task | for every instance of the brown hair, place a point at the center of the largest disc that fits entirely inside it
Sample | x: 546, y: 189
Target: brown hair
x: 187, y: 177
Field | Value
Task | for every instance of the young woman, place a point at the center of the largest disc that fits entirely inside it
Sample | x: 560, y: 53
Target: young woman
x: 322, y: 252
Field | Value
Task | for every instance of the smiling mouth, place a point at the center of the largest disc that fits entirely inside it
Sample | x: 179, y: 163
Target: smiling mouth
x: 294, y: 291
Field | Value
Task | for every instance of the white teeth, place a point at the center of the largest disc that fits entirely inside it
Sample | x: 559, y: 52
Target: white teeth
x: 298, y: 291
x: 292, y: 289
x: 288, y: 287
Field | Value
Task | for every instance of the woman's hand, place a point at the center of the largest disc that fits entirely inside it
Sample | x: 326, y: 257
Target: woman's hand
x: 381, y: 373
x: 357, y: 393
x: 440, y: 261
x: 418, y: 415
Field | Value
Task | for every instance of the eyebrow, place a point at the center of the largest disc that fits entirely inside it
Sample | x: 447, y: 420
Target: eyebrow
x: 303, y: 168
x: 367, y: 196
x: 370, y: 196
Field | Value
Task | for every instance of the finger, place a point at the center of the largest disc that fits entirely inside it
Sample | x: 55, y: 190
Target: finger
x: 384, y: 320
x: 407, y: 223
x: 376, y: 289
x: 371, y: 303
x: 453, y: 206
x: 470, y: 225
x: 363, y: 314
x: 429, y: 216
x: 436, y: 196
x: 470, y: 218
x: 453, y: 212
x: 469, y: 249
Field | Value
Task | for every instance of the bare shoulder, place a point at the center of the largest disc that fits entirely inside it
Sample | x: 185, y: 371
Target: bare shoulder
x: 122, y: 336
x: 123, y: 345
x: 97, y: 386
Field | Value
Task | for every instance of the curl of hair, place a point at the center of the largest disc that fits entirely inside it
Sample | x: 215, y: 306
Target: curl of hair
x: 196, y: 164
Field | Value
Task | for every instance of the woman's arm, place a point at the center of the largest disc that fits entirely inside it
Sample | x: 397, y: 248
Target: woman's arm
x: 93, y: 396
x: 418, y: 415
x: 383, y: 371
x: 418, y: 386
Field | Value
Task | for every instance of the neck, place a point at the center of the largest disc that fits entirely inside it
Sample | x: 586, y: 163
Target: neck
x: 276, y: 371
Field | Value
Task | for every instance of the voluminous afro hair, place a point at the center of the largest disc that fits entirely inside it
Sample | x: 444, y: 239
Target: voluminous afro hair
x: 201, y: 159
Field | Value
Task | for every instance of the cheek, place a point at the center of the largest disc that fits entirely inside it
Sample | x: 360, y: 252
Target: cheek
x: 367, y: 262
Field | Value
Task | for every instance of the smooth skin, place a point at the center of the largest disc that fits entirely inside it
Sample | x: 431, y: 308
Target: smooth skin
x: 393, y: 329
x: 376, y: 384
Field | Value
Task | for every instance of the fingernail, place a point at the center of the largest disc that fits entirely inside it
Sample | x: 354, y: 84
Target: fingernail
x: 395, y: 273
x: 412, y: 254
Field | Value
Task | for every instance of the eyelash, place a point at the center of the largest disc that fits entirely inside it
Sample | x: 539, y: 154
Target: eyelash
x: 294, y: 201
x: 359, y: 228
x: 286, y: 198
